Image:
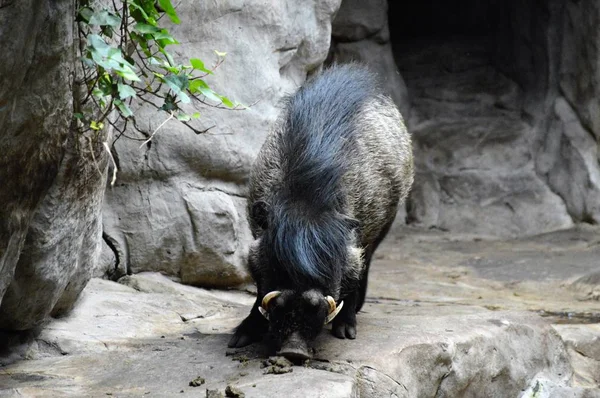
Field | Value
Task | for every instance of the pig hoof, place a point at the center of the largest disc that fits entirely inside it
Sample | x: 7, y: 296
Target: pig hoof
x: 343, y: 330
x: 241, y: 340
x: 351, y: 332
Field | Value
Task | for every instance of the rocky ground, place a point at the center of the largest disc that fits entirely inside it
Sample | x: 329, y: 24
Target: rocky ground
x: 446, y: 316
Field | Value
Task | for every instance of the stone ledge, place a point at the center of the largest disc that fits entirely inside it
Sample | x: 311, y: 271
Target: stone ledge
x: 113, y: 343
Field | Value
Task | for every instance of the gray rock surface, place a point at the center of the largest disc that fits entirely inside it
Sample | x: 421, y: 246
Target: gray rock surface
x: 357, y: 20
x: 559, y: 73
x: 583, y: 346
x: 434, y: 323
x: 178, y: 206
x: 568, y: 157
x: 579, y: 70
x: 52, y: 189
x: 31, y: 141
x: 476, y: 172
x: 361, y: 33
x: 506, y: 125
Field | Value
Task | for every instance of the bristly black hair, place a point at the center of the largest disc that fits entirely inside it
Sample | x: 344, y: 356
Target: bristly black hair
x: 307, y: 232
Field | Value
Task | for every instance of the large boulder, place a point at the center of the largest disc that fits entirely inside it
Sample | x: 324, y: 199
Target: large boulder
x: 178, y: 206
x: 52, y: 186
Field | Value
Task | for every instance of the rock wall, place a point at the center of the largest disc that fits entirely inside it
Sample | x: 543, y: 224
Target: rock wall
x: 51, y: 188
x: 504, y: 114
x: 178, y: 206
x: 561, y: 78
x: 573, y: 139
x: 361, y: 33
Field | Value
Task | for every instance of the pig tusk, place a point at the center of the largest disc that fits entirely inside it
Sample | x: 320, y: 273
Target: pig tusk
x: 336, y: 310
x: 331, y: 302
x: 268, y: 297
x: 263, y: 312
x: 265, y: 302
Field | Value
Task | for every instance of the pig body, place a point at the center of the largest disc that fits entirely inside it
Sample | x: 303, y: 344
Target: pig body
x: 323, y: 193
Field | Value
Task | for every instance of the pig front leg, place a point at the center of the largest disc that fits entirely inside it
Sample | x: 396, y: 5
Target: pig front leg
x: 251, y: 329
x: 344, y: 324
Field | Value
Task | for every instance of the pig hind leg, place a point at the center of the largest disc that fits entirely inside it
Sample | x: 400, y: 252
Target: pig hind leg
x: 251, y: 329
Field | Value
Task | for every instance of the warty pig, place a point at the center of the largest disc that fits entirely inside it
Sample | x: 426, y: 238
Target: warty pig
x: 323, y: 193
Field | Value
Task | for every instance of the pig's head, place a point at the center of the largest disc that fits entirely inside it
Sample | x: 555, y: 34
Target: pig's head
x: 296, y: 318
x: 302, y: 259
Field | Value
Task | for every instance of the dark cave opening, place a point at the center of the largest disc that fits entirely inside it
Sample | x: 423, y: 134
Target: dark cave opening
x: 442, y: 18
x: 513, y: 37
x: 478, y: 73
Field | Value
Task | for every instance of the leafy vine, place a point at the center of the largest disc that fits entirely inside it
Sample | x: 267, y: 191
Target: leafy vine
x: 124, y: 58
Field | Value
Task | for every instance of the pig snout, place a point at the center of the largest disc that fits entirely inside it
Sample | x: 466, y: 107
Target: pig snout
x: 295, y: 347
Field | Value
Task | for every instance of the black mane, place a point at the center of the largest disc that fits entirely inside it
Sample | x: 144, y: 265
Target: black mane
x: 308, y: 232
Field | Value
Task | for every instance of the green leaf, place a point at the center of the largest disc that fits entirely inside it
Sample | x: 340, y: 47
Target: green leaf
x: 143, y: 10
x: 128, y: 73
x: 107, y: 31
x: 146, y: 29
x: 97, y: 43
x: 210, y: 94
x: 78, y: 115
x: 169, y: 10
x: 86, y: 13
x: 96, y: 126
x: 226, y: 101
x: 123, y: 108
x: 104, y: 18
x: 170, y: 59
x: 164, y: 34
x: 162, y: 43
x: 169, y: 105
x: 183, y: 117
x: 125, y: 91
x: 171, y: 69
x: 97, y: 93
x: 195, y: 115
x: 110, y: 58
x: 196, y: 84
x: 199, y: 65
x: 178, y: 83
x: 199, y: 85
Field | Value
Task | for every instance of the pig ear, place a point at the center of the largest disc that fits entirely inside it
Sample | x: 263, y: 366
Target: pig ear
x: 260, y: 211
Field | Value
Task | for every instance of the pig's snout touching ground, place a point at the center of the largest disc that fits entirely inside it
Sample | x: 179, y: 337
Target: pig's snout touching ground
x: 295, y: 347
